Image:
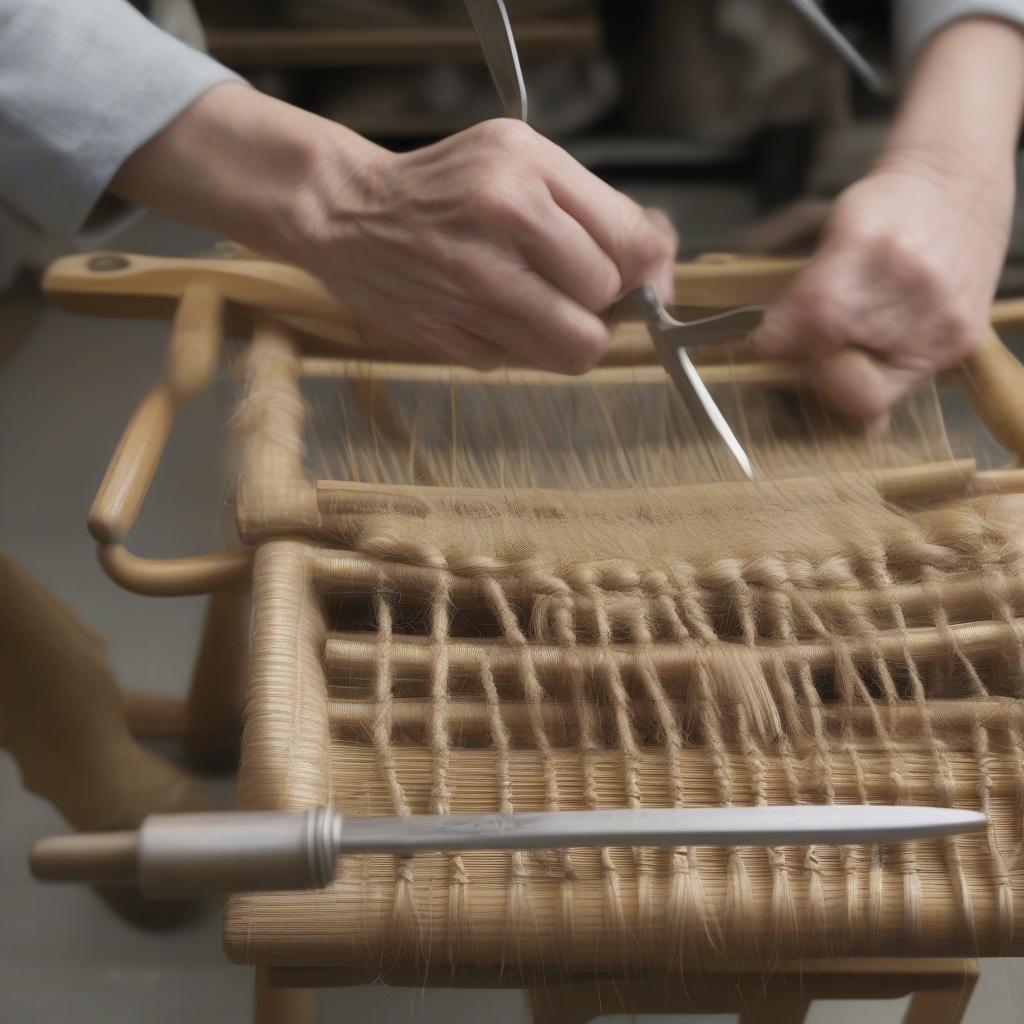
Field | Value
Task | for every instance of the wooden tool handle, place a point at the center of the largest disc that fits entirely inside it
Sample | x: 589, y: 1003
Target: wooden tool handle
x: 97, y: 858
x: 173, y: 856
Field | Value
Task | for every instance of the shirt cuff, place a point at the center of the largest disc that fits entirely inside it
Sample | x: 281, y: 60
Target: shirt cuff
x: 81, y: 88
x: 918, y: 20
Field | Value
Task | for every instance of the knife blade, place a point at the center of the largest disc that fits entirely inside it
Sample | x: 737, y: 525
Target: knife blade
x: 493, y: 29
x: 700, y: 826
x: 186, y: 855
x: 671, y: 337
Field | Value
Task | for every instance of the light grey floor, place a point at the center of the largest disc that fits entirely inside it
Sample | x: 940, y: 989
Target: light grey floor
x: 65, y: 394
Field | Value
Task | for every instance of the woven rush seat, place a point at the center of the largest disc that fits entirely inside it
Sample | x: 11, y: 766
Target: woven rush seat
x: 404, y: 693
x: 437, y: 648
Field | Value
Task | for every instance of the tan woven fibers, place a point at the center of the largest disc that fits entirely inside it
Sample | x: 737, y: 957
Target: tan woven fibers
x: 517, y: 624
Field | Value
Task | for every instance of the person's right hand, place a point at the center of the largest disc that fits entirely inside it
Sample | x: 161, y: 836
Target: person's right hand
x: 493, y: 243
x: 489, y: 244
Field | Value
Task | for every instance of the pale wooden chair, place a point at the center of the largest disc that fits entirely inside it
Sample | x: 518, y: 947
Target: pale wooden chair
x: 294, y: 313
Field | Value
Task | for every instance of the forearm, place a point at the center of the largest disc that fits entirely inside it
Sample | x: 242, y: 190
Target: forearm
x: 247, y: 166
x: 81, y: 87
x: 962, y: 106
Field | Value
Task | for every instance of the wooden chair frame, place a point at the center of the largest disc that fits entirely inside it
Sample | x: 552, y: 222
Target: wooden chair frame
x: 214, y: 299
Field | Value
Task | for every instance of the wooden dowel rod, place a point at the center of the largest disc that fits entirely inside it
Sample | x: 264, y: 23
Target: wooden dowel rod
x: 779, y: 373
x: 999, y: 481
x: 995, y: 383
x: 1008, y: 313
x: 176, y: 577
x: 106, y: 858
x: 475, y: 718
x: 416, y: 654
x: 345, y: 572
x: 193, y: 356
x: 716, y: 280
x: 295, y: 46
x: 197, y: 339
x: 929, y: 482
x: 132, y: 468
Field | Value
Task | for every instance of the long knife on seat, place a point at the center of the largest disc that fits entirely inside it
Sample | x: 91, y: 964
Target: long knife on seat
x: 185, y: 855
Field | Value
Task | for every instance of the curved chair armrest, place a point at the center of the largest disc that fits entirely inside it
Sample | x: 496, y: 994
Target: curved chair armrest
x: 176, y: 577
x: 193, y: 356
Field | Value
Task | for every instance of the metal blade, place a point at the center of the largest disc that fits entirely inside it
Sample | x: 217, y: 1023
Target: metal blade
x: 490, y: 19
x: 710, y: 826
x: 669, y: 336
x: 731, y: 325
x: 695, y: 394
x: 818, y: 20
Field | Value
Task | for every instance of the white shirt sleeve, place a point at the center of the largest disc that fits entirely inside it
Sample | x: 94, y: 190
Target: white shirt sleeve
x: 918, y: 20
x: 82, y: 86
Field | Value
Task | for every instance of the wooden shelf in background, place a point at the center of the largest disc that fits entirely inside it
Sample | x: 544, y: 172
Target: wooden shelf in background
x: 292, y: 47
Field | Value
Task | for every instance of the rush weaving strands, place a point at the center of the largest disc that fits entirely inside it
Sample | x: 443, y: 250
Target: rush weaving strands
x: 513, y: 592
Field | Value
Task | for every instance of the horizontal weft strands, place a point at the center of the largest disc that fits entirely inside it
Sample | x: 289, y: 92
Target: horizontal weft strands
x: 519, y: 596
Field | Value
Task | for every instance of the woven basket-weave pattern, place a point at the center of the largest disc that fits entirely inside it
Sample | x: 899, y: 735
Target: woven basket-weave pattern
x: 883, y: 676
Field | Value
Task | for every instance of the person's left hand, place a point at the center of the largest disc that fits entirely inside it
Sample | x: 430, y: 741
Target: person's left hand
x: 901, y: 287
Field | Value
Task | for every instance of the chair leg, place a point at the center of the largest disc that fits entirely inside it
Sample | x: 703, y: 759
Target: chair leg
x: 280, y: 1005
x: 62, y: 717
x: 939, y: 1006
x: 577, y: 1004
x: 213, y: 712
x: 779, y: 1008
x: 565, y: 1004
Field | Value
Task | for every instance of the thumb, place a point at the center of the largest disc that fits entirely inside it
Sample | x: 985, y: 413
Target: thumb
x: 663, y: 272
x: 782, y: 332
x: 855, y: 383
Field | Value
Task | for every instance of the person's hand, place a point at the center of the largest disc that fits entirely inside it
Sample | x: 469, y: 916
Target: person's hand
x: 901, y: 286
x: 491, y: 244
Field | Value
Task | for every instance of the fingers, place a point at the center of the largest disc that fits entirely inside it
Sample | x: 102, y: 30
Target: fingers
x: 855, y: 383
x: 542, y: 326
x: 811, y: 317
x: 462, y: 347
x: 849, y: 351
x: 563, y: 253
x: 663, y: 278
x: 899, y: 291
x: 496, y: 237
x: 641, y: 245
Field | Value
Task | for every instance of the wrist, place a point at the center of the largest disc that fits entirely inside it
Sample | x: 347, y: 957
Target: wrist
x: 945, y: 164
x: 961, y: 111
x: 335, y: 171
x: 248, y: 166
